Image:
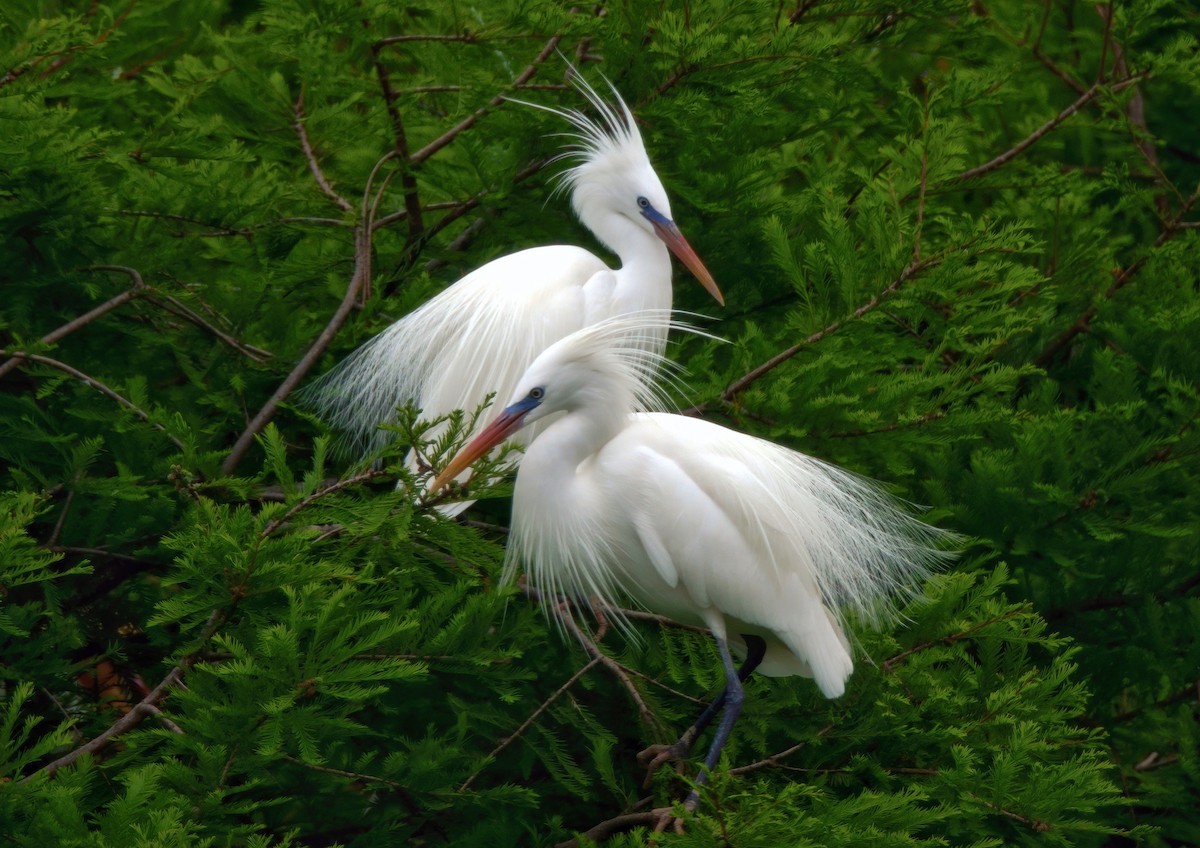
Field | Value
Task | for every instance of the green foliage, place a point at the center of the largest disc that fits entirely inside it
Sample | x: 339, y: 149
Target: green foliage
x: 973, y: 227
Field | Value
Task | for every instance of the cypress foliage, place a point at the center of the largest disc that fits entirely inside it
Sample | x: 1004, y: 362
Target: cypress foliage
x: 958, y: 243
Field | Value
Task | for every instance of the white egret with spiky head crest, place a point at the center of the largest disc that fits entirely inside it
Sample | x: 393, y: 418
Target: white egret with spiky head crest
x: 766, y: 547
x: 480, y: 334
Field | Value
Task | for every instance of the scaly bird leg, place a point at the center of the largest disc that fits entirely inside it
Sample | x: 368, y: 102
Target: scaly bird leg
x: 735, y: 695
x: 655, y: 755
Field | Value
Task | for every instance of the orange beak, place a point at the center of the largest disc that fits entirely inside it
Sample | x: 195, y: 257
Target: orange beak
x: 669, y: 233
x: 509, y: 421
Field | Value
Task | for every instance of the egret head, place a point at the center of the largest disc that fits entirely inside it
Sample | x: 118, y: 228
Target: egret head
x: 609, y: 369
x: 612, y: 181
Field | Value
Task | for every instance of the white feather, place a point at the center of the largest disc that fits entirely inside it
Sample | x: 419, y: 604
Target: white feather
x: 480, y: 334
x: 699, y: 522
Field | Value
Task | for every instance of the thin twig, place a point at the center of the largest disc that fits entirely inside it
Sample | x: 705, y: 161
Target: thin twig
x: 1035, y: 824
x: 362, y: 477
x: 892, y: 662
x: 525, y: 725
x: 95, y: 384
x: 311, y: 157
x: 1083, y: 323
x: 911, y: 270
x: 358, y: 279
x: 139, y: 288
x: 618, y: 671
x: 1031, y: 139
x: 177, y: 307
x: 353, y: 775
x: 412, y: 201
x: 617, y: 824
x: 773, y: 760
x: 468, y: 122
x: 147, y: 706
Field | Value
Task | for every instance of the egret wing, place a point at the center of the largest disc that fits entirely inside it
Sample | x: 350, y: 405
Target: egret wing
x: 709, y: 559
x: 837, y: 532
x: 475, y: 338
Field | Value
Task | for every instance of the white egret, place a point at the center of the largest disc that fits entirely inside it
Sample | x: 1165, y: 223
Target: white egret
x: 766, y: 547
x: 480, y: 334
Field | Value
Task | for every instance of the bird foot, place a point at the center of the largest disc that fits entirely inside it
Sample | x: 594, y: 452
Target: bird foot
x: 655, y: 756
x: 667, y: 819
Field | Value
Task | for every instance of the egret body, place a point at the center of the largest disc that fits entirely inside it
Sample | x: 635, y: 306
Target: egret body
x: 480, y: 334
x: 764, y: 546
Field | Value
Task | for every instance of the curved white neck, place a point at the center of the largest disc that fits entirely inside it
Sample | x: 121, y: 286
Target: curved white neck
x: 644, y: 278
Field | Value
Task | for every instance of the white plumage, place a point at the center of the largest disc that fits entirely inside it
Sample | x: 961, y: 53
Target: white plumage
x: 480, y: 334
x: 693, y: 520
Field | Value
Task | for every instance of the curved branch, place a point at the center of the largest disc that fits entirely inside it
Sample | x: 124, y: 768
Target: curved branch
x: 913, y: 268
x: 1027, y: 142
x: 525, y: 725
x: 311, y: 157
x: 362, y: 272
x: 139, y: 288
x: 147, y: 706
x: 19, y: 355
x: 468, y: 122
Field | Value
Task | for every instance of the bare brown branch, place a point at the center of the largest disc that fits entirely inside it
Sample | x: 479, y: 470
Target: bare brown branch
x: 139, y: 288
x: 93, y: 383
x: 738, y: 386
x: 617, y: 670
x: 470, y: 121
x: 147, y: 706
x: 773, y: 761
x: 177, y: 307
x: 618, y: 824
x: 950, y: 639
x: 1084, y: 322
x: 1031, y: 139
x: 525, y: 725
x: 311, y: 157
x: 358, y: 279
x: 362, y: 477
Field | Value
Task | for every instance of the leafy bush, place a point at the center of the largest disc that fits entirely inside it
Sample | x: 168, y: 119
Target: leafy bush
x: 958, y: 243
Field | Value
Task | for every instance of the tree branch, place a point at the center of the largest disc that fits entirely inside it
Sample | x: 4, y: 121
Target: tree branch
x: 738, y: 386
x: 147, y: 706
x: 468, y: 122
x: 362, y: 270
x: 1031, y: 139
x: 95, y: 384
x: 362, y: 477
x: 311, y: 157
x: 624, y: 822
x: 139, y: 288
x: 1084, y: 322
x: 525, y: 725
x: 618, y: 671
x: 773, y: 760
x: 177, y: 307
x: 889, y: 664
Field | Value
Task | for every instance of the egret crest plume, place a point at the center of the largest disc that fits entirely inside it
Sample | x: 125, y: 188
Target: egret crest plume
x: 612, y: 134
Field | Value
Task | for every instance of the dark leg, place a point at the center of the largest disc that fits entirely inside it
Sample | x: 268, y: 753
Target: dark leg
x: 735, y: 695
x: 755, y: 649
x: 656, y: 755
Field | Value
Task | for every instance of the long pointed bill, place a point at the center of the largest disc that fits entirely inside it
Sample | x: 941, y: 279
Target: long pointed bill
x: 669, y: 233
x: 508, y: 422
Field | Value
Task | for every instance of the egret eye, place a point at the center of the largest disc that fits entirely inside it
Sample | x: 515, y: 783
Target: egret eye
x: 643, y: 203
x: 537, y: 393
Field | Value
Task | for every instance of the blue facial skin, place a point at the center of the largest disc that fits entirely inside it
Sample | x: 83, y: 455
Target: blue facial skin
x: 526, y: 404
x: 653, y: 215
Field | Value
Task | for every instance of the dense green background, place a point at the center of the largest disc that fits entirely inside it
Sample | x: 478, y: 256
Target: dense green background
x: 971, y: 223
